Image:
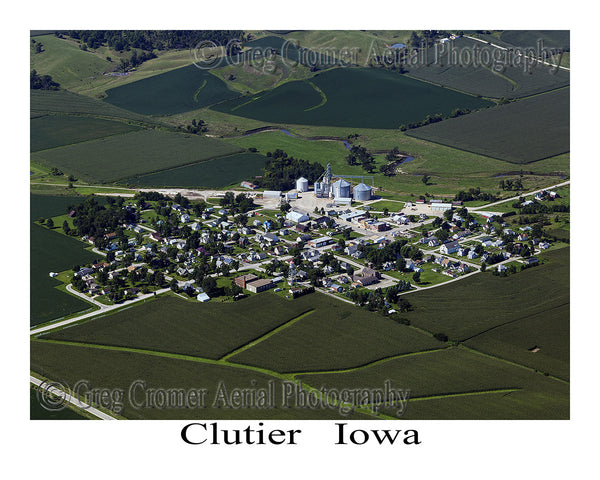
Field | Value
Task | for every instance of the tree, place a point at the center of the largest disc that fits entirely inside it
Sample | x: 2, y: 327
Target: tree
x: 50, y: 223
x: 417, y: 277
x: 209, y: 285
x: 65, y: 227
x: 285, y: 207
x: 425, y: 179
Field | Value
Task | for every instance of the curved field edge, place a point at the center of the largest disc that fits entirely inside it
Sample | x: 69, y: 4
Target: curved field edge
x: 320, y: 92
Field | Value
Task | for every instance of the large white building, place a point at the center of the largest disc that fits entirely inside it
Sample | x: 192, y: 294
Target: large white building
x: 296, y: 216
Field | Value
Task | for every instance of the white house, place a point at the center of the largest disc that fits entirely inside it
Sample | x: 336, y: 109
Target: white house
x: 449, y: 247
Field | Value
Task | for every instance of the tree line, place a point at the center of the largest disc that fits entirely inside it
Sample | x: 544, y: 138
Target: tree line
x: 281, y: 171
x: 42, y: 82
x: 149, y: 40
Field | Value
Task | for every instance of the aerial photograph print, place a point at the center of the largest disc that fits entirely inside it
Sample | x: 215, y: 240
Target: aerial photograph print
x: 299, y: 225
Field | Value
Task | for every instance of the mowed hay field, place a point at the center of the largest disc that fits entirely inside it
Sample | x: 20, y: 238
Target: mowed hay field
x: 176, y: 91
x: 458, y: 373
x: 62, y: 101
x: 452, y: 65
x: 217, y: 173
x: 114, y: 369
x: 521, y: 132
x: 68, y: 65
x: 123, y: 156
x: 50, y: 131
x: 371, y: 98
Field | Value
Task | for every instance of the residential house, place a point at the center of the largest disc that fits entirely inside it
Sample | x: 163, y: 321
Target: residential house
x: 450, y: 247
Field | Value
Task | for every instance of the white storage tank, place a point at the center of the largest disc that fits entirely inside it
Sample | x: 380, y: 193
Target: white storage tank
x: 302, y: 184
x: 341, y: 188
x: 362, y: 192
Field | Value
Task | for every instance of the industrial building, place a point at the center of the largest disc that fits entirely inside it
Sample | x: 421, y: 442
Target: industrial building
x: 362, y: 192
x: 296, y: 216
x: 259, y: 285
x: 440, y: 207
x: 243, y: 280
x: 302, y: 184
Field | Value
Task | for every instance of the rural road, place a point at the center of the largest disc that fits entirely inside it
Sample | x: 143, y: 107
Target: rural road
x: 517, y: 52
x: 484, y: 207
x: 107, y: 308
x: 69, y: 398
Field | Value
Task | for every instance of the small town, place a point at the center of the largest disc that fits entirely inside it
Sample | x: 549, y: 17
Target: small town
x: 335, y: 238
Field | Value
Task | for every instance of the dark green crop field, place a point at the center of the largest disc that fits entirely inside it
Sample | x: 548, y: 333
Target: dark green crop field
x: 51, y: 131
x: 171, y: 325
x: 337, y: 336
x: 549, y: 331
x: 52, y: 252
x: 143, y: 371
x: 370, y: 98
x: 499, y: 300
x: 530, y: 38
x: 474, y: 67
x: 122, y: 156
x: 459, y: 372
x: 177, y: 91
x: 217, y: 173
x: 521, y: 132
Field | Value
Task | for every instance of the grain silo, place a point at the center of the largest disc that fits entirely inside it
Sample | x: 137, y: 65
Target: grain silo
x: 362, y: 192
x: 341, y: 189
x: 302, y: 184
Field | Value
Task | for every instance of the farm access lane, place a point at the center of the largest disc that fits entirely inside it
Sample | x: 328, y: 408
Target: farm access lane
x: 484, y: 207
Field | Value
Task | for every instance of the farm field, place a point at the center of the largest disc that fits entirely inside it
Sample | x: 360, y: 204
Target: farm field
x: 459, y: 371
x: 440, y: 162
x: 396, y: 99
x: 511, y: 83
x: 217, y: 173
x: 119, y: 157
x: 52, y: 252
x: 549, y: 331
x: 121, y: 368
x: 522, y: 132
x: 176, y: 91
x: 68, y: 65
x: 206, y: 330
x: 50, y: 131
x: 529, y: 38
x: 63, y: 101
x: 364, y: 41
x: 442, y: 309
x: 337, y: 335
